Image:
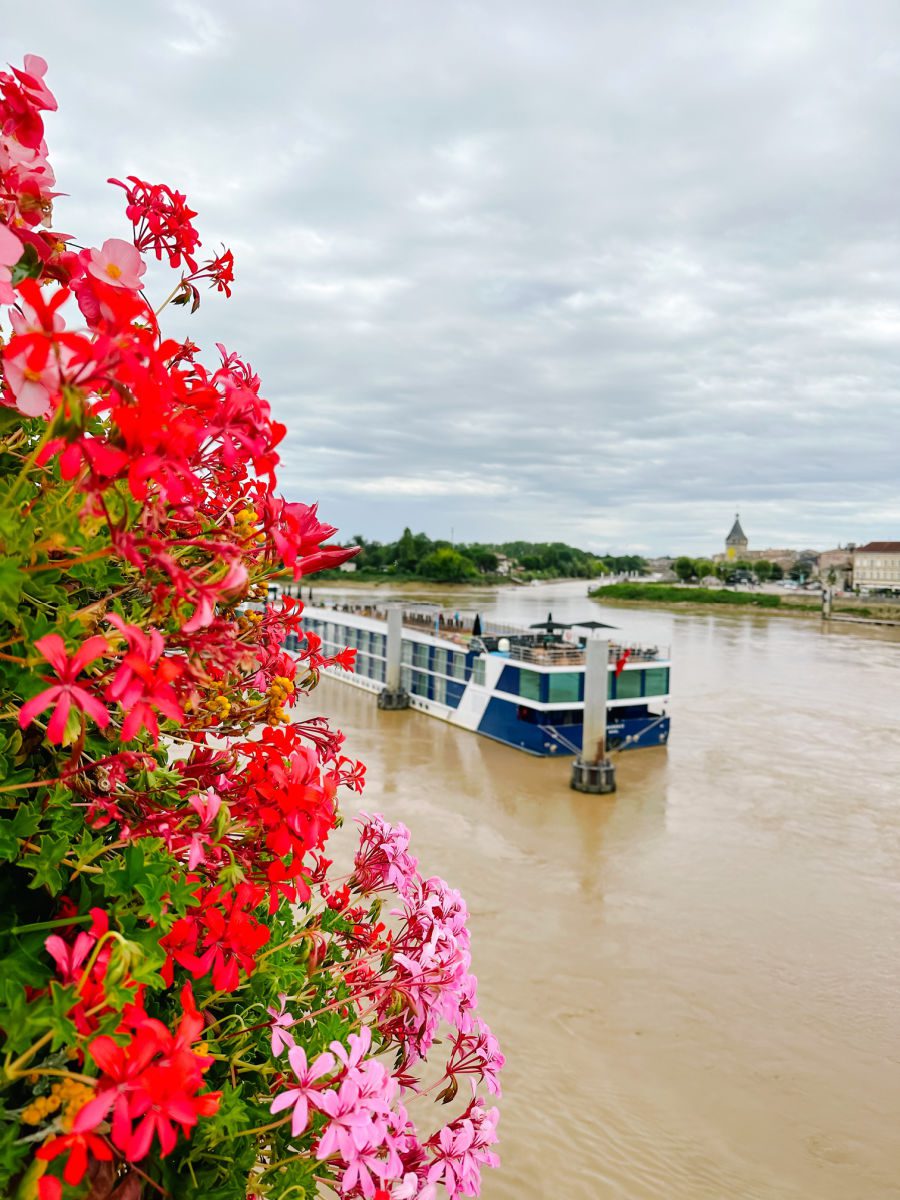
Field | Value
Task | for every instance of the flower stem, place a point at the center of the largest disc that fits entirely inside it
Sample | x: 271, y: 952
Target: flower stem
x: 264, y: 1128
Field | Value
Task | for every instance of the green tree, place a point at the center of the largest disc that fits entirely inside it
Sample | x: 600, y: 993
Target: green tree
x: 762, y: 570
x: 446, y: 565
x: 684, y: 568
x: 406, y: 551
x: 483, y: 557
x: 703, y: 567
x: 777, y: 571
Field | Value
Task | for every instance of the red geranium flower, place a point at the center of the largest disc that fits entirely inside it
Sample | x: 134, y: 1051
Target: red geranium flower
x: 67, y: 692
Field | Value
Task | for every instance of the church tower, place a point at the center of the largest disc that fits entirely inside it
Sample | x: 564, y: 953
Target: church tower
x: 736, y: 542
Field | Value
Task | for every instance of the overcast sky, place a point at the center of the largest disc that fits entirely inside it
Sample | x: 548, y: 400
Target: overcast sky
x: 603, y: 272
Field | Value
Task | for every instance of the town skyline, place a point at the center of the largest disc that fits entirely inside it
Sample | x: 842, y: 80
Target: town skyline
x: 708, y: 548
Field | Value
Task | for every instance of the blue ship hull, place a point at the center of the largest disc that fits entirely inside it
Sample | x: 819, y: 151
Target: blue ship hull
x: 502, y: 722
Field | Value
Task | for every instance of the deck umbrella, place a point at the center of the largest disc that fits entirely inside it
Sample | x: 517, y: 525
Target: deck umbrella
x: 549, y: 625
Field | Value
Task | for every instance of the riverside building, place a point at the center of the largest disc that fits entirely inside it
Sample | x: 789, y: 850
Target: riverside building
x: 876, y: 567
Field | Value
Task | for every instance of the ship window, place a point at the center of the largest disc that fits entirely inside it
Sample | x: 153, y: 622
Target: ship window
x: 458, y: 666
x: 406, y: 652
x: 628, y: 685
x: 419, y: 683
x: 439, y: 685
x: 530, y: 685
x: 564, y: 688
x: 478, y: 671
x: 420, y: 654
x: 656, y: 681
x: 439, y: 662
x: 406, y: 679
x: 363, y: 665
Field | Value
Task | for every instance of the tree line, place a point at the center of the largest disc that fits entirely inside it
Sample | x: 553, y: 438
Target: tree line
x: 702, y: 568
x: 441, y: 561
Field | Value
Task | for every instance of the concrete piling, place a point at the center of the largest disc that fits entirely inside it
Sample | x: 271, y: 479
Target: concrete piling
x: 592, y: 771
x: 393, y: 696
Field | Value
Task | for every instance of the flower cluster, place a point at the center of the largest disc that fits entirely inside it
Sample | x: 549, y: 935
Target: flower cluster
x: 426, y: 979
x: 179, y: 963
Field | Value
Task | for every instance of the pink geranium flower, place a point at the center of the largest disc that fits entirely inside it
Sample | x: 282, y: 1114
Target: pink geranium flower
x: 35, y: 389
x: 66, y: 693
x: 304, y: 1093
x: 283, y: 1021
x: 10, y: 253
x: 117, y: 263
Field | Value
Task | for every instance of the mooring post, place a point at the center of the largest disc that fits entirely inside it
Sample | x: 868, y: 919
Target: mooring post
x: 393, y: 696
x: 592, y: 771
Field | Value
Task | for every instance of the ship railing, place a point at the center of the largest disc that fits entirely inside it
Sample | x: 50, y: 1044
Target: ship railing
x: 564, y: 655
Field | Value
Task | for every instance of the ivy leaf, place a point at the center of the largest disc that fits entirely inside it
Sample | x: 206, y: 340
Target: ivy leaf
x: 44, y: 864
x: 22, y: 825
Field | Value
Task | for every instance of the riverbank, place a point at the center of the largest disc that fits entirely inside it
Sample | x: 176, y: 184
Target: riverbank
x: 700, y: 600
x: 338, y: 581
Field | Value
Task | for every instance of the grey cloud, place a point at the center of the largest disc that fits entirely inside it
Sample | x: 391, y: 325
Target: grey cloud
x: 578, y: 270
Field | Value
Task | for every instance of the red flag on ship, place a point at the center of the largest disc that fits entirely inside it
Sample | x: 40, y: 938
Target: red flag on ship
x: 620, y: 662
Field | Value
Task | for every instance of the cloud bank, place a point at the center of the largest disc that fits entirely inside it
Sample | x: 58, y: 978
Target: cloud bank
x: 597, y: 272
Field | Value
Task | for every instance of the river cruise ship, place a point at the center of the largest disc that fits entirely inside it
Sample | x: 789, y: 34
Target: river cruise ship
x: 522, y: 687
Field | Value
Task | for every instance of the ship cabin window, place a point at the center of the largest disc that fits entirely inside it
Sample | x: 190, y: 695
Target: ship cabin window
x: 628, y: 685
x: 457, y: 665
x: 478, y: 672
x: 406, y: 651
x: 656, y: 681
x: 439, y: 689
x: 439, y: 662
x: 420, y: 655
x: 530, y: 685
x: 564, y: 687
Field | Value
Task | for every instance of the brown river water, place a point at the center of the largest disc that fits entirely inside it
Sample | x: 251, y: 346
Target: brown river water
x: 696, y: 981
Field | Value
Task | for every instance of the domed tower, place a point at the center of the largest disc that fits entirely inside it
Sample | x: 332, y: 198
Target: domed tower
x: 736, y: 542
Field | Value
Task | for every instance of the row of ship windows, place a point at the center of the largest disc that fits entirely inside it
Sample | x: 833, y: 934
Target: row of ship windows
x: 567, y: 687
x: 369, y: 643
x: 426, y: 670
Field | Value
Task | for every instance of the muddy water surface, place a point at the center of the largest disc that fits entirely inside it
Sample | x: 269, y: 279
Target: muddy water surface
x: 696, y: 981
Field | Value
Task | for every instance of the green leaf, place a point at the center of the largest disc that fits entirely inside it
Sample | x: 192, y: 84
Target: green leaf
x: 12, y: 581
x: 22, y: 825
x: 28, y: 266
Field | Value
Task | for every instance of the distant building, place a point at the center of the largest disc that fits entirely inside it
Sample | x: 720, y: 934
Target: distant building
x: 783, y: 557
x: 836, y: 566
x: 876, y: 567
x: 736, y: 542
x: 661, y: 568
x: 505, y: 566
x: 347, y: 566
